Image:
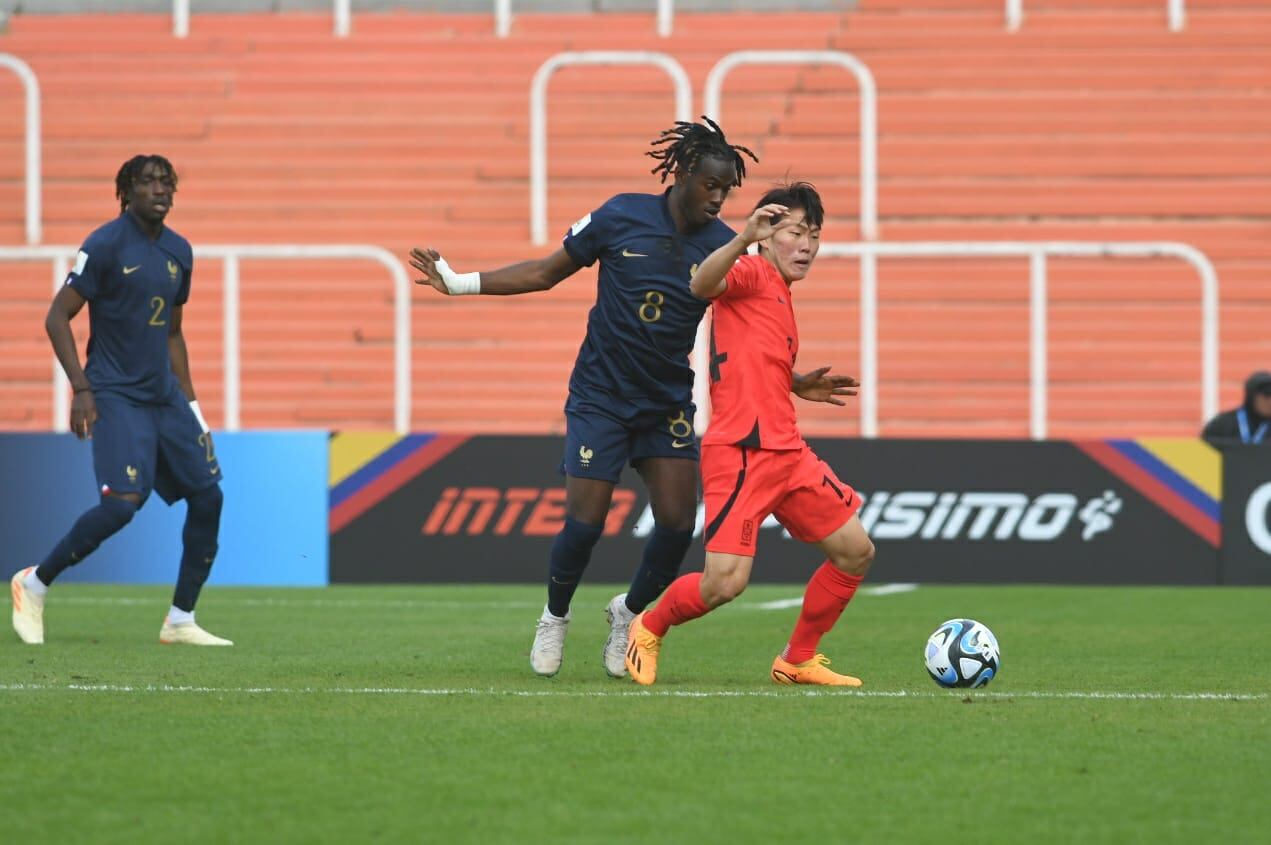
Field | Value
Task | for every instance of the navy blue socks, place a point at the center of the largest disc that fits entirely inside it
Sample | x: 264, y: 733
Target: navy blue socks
x: 88, y: 532
x: 202, y: 523
x: 571, y: 553
x: 663, y: 557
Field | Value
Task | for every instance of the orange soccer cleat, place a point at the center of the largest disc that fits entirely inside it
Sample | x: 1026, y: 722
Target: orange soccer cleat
x: 642, y: 652
x: 814, y: 671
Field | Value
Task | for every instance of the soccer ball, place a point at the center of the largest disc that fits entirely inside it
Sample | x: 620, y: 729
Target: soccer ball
x: 962, y: 653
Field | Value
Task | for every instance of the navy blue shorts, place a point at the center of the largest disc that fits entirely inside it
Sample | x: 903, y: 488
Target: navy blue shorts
x: 138, y: 448
x: 598, y: 443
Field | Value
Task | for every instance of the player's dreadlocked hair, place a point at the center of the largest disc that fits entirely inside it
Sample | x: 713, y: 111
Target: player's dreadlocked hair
x: 685, y: 144
x: 131, y: 172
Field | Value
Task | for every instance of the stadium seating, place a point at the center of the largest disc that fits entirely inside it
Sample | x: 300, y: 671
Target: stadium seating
x: 1093, y: 122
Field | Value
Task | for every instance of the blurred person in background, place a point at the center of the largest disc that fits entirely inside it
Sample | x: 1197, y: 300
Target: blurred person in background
x: 1250, y: 424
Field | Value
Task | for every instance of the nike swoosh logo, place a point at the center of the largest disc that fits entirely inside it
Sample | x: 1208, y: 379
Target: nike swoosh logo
x: 675, y: 444
x: 626, y: 253
x: 128, y: 270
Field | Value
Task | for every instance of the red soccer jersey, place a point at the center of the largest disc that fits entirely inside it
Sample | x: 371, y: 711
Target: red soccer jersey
x: 754, y: 343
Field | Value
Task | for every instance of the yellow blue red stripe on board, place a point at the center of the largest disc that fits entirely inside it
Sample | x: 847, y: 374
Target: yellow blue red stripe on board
x: 366, y: 467
x: 1183, y: 477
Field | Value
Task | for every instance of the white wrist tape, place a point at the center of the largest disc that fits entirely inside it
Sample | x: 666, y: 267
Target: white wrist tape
x: 459, y: 284
x: 198, y: 415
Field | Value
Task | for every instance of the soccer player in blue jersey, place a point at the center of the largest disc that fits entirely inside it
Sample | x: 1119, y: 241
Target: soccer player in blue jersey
x: 630, y: 393
x: 134, y: 397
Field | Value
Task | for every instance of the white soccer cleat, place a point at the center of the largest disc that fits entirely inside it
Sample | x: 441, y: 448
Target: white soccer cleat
x: 189, y: 633
x: 28, y: 609
x: 619, y: 617
x: 549, y: 643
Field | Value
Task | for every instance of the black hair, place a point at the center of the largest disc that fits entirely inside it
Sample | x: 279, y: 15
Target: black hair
x: 131, y: 172
x: 797, y: 195
x: 685, y: 144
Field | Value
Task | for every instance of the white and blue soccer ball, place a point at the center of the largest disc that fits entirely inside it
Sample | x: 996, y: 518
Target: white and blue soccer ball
x: 962, y: 653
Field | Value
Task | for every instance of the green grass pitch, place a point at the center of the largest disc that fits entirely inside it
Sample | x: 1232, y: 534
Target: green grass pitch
x: 409, y: 714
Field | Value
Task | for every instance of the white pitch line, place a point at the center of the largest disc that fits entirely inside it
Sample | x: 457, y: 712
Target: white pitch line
x: 229, y: 600
x: 889, y: 589
x: 500, y: 693
x: 779, y: 604
x: 880, y: 590
x: 423, y: 604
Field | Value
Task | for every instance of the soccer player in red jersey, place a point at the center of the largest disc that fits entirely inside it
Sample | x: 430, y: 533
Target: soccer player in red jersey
x: 754, y: 460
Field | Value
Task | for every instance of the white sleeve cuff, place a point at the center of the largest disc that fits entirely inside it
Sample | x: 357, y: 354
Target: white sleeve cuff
x: 198, y: 415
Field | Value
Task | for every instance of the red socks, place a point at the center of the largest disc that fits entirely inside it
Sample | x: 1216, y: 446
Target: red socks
x: 681, y: 602
x: 828, y: 593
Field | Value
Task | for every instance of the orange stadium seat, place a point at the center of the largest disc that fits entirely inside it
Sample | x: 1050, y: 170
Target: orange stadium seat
x: 1093, y: 122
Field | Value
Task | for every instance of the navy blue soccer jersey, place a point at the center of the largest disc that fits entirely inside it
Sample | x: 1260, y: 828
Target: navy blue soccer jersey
x: 131, y: 284
x: 644, y: 322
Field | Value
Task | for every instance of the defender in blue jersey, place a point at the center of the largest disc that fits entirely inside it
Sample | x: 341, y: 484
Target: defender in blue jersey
x: 630, y: 393
x: 134, y: 398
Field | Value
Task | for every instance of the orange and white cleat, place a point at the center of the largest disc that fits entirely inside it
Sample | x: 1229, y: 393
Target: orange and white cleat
x: 642, y: 652
x: 188, y: 633
x: 28, y: 609
x: 815, y: 671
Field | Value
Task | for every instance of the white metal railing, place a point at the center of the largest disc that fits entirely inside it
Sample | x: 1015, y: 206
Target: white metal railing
x: 868, y: 116
x: 230, y: 256
x: 1176, y: 9
x: 538, y: 114
x: 31, y: 89
x: 1037, y: 252
x: 868, y: 173
x: 343, y: 18
x: 503, y: 17
x: 339, y: 9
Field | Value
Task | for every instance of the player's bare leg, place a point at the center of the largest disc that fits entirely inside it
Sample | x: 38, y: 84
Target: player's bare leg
x: 850, y: 553
x: 689, y: 597
x: 586, y: 506
x: 725, y: 578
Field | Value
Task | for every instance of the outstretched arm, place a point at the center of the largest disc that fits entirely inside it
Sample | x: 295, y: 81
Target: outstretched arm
x: 817, y: 386
x: 525, y: 277
x: 709, y: 280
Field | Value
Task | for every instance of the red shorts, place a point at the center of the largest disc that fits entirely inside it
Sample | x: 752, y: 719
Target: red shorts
x: 743, y: 485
